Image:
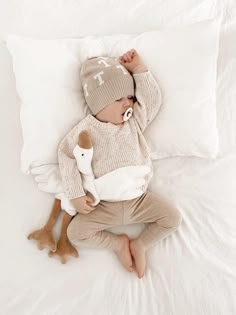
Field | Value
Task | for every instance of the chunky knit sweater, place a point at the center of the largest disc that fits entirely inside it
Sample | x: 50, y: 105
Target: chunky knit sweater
x: 115, y: 146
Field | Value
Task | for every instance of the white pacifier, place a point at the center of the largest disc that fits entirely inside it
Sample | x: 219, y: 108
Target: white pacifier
x: 128, y: 114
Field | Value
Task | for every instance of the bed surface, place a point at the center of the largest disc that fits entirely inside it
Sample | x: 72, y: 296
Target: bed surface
x: 191, y: 272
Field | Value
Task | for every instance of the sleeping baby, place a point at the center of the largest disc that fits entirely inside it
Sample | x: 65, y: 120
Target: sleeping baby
x: 124, y: 98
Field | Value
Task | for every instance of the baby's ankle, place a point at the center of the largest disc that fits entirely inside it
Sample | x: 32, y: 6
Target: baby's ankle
x: 119, y: 242
x: 138, y: 242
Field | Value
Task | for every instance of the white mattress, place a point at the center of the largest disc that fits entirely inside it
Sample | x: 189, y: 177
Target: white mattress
x: 191, y: 272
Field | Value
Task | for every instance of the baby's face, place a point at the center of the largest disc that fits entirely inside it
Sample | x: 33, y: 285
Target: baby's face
x: 114, y: 112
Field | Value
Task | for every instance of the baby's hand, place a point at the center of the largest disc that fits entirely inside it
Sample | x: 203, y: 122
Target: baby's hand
x: 132, y: 62
x: 83, y: 204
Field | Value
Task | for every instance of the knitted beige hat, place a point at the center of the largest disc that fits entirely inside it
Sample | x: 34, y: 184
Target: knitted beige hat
x: 104, y: 81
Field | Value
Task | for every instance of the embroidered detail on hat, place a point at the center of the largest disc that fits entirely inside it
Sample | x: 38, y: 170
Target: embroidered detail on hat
x: 98, y: 76
x: 104, y: 62
x: 122, y: 68
x: 85, y: 88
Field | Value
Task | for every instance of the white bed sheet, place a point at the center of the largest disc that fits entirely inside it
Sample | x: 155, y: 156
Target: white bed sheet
x: 191, y: 272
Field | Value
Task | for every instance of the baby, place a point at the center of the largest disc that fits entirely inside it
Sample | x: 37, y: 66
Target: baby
x: 110, y: 93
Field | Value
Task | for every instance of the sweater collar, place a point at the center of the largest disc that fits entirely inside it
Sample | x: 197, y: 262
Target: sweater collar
x: 104, y: 125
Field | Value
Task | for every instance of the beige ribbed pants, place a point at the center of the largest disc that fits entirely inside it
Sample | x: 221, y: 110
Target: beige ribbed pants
x: 161, y: 218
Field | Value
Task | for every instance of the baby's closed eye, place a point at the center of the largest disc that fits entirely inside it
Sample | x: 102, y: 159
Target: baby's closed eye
x: 129, y: 97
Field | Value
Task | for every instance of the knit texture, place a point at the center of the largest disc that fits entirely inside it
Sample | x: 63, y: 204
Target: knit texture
x: 114, y: 146
x: 104, y: 81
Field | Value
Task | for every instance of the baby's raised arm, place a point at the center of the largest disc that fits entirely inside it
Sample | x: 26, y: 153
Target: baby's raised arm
x: 147, y: 90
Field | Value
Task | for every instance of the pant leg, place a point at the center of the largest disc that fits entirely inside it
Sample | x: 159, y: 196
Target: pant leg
x: 89, y: 229
x: 160, y: 217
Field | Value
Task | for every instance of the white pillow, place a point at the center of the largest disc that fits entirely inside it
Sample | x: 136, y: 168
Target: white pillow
x: 183, y: 60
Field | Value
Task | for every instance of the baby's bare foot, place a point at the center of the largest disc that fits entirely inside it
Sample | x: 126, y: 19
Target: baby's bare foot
x: 138, y: 253
x: 123, y: 252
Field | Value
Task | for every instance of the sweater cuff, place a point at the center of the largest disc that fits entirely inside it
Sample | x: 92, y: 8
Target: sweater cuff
x: 143, y: 78
x: 74, y: 190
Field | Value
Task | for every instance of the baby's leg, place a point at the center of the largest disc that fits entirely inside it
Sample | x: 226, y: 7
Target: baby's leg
x: 89, y: 230
x: 122, y: 251
x: 162, y: 219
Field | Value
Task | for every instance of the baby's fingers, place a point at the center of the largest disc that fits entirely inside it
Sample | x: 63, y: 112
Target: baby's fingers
x: 127, y: 57
x: 133, y: 52
x: 85, y: 210
x: 89, y: 208
x: 89, y: 199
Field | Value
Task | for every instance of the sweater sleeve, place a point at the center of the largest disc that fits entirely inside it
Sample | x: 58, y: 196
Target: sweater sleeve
x: 148, y: 97
x: 71, y: 177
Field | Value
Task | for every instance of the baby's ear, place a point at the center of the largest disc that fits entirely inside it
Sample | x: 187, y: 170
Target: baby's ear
x: 85, y: 140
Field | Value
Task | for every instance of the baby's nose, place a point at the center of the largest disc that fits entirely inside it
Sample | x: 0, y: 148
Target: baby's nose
x: 125, y: 101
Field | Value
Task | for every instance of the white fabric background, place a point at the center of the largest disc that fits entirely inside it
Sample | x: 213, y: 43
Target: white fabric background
x: 191, y: 272
x: 48, y: 84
